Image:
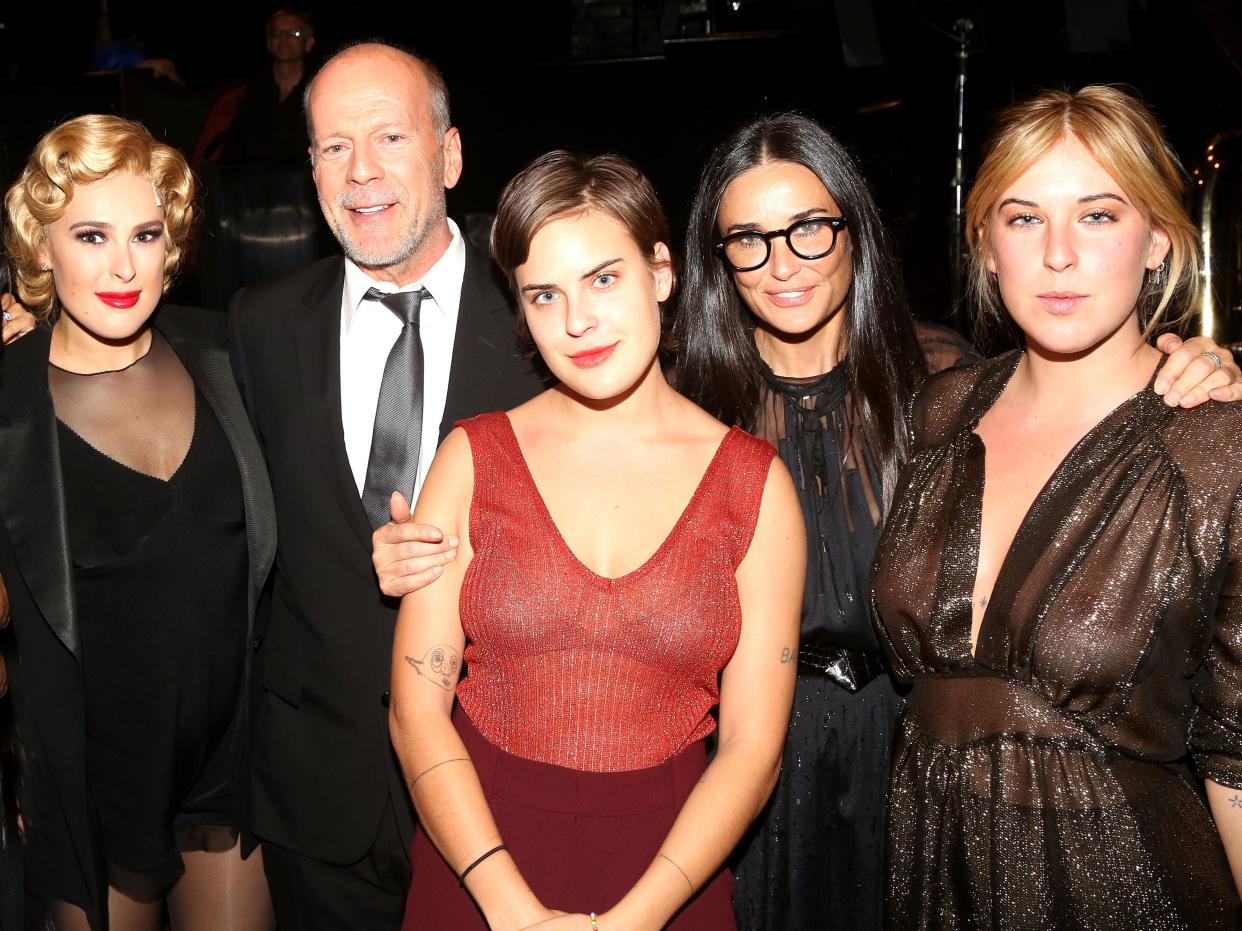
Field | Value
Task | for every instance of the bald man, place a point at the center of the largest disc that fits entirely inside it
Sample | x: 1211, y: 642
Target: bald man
x: 310, y: 353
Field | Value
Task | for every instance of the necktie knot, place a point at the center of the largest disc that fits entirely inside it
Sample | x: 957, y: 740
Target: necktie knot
x: 404, y: 304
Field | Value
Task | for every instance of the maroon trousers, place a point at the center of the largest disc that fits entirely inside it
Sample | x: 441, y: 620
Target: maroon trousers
x: 580, y: 839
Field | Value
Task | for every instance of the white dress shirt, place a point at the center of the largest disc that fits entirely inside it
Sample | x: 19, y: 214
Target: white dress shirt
x: 368, y: 331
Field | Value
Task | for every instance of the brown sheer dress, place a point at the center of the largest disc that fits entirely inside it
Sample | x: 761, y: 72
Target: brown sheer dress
x: 1053, y: 780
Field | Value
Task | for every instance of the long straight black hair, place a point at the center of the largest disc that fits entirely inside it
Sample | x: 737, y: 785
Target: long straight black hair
x: 719, y: 366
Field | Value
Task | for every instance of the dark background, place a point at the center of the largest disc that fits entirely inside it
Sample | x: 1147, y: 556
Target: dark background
x: 663, y: 81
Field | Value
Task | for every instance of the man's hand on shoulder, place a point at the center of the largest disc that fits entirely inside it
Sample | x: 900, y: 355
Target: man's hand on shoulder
x: 407, y: 556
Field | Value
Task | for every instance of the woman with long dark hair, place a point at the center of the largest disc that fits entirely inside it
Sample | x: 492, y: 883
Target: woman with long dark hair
x: 804, y: 337
x: 792, y: 323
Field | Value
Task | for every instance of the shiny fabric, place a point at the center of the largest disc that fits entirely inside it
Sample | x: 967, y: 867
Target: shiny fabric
x: 397, y: 434
x: 814, y: 858
x: 590, y: 673
x: 1045, y: 782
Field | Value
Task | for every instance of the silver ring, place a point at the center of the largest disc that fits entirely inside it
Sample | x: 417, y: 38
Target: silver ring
x: 8, y: 317
x: 1211, y: 355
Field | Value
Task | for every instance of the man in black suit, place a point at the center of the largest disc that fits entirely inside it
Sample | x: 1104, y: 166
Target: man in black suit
x: 313, y: 354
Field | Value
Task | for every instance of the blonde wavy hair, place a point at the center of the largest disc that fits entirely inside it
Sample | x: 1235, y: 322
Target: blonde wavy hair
x: 80, y: 151
x: 1122, y: 134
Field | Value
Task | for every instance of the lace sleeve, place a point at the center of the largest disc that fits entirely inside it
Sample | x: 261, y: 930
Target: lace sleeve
x: 944, y: 348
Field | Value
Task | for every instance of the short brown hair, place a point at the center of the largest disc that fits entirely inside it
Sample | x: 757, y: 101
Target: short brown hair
x: 80, y: 151
x: 1122, y: 134
x: 289, y: 11
x: 563, y: 183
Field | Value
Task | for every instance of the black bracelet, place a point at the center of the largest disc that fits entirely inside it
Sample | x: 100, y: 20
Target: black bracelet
x: 461, y: 880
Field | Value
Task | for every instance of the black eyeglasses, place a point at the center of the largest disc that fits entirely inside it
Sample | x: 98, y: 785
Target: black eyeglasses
x: 812, y: 238
x: 286, y: 33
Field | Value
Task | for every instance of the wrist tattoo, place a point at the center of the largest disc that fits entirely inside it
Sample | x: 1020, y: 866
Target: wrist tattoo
x: 680, y: 870
x: 438, y: 666
x: 1236, y: 801
x: 456, y: 759
x: 788, y: 655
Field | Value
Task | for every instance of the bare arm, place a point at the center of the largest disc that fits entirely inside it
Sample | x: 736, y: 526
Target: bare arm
x: 426, y: 664
x: 408, y: 555
x: 1226, y: 805
x: 756, y: 695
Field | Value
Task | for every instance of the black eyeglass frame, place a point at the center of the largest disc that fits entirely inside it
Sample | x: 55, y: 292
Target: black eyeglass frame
x: 836, y: 223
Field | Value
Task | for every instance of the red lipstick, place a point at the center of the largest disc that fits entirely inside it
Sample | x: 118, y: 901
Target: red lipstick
x: 589, y: 358
x: 119, y: 299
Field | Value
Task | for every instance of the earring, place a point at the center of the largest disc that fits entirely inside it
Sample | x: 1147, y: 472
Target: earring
x: 1157, y: 275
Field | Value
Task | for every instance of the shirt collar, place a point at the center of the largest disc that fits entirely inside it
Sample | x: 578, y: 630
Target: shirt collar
x: 443, y: 280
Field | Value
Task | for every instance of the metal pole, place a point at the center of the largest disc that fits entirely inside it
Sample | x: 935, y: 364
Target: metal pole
x: 957, y: 250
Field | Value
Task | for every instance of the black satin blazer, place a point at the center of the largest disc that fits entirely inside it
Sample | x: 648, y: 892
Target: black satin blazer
x: 61, y: 856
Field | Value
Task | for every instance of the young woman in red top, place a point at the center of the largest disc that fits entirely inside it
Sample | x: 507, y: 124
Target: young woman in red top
x: 626, y: 562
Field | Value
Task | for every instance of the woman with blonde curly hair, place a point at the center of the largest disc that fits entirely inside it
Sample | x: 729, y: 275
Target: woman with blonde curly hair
x: 1060, y: 574
x: 136, y: 529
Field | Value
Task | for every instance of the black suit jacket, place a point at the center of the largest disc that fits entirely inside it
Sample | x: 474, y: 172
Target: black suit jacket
x: 62, y: 857
x: 323, y: 766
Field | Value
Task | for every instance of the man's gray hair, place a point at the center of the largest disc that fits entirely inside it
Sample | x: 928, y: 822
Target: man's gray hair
x: 435, y: 80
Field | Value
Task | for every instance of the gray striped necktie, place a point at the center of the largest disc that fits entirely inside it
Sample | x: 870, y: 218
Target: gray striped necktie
x: 398, y: 433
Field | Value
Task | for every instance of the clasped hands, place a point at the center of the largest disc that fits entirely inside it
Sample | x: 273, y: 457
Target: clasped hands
x: 562, y: 921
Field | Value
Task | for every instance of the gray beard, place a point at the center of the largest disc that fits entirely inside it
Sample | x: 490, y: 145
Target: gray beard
x: 379, y: 259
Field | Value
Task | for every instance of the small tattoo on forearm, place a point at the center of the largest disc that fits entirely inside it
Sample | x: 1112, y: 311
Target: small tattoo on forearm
x: 456, y: 759
x: 1236, y: 801
x: 983, y: 602
x: 788, y: 655
x: 680, y: 870
x: 438, y: 666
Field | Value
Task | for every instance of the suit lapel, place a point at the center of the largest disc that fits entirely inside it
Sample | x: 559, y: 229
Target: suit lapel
x: 318, y: 342
x: 483, y: 347
x: 209, y: 369
x: 32, y: 499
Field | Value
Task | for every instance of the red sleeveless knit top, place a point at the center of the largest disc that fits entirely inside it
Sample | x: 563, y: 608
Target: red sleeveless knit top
x: 567, y: 667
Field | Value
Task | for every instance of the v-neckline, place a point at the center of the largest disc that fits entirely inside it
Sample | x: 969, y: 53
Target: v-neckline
x: 125, y: 466
x: 979, y: 449
x: 604, y: 580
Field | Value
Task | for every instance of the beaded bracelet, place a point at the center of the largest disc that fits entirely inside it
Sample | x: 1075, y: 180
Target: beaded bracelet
x: 461, y: 880
x: 594, y: 922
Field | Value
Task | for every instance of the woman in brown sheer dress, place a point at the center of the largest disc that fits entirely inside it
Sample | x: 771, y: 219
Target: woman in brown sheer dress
x: 1059, y: 575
